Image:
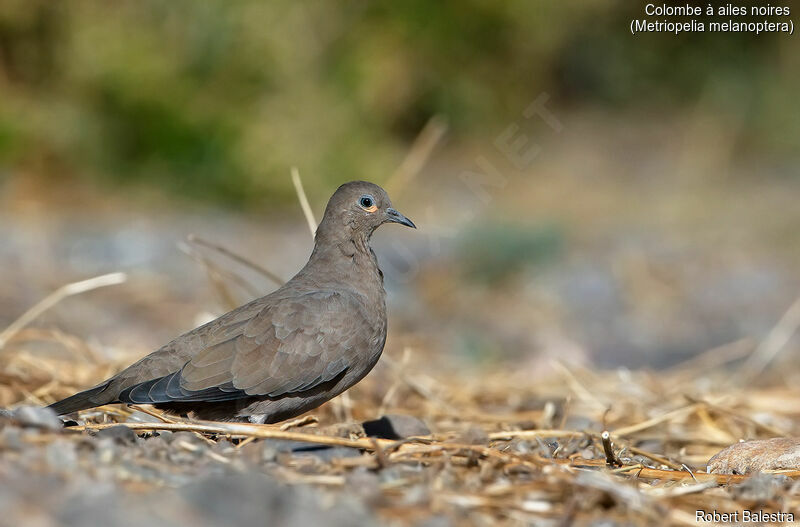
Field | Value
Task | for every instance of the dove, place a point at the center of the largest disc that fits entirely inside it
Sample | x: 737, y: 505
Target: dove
x: 282, y: 354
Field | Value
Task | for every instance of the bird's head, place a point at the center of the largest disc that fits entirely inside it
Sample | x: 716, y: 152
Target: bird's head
x: 358, y: 208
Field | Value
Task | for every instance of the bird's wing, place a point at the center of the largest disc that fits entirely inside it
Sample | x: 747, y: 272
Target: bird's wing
x: 290, y: 346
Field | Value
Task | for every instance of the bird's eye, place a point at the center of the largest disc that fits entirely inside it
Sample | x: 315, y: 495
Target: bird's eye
x: 366, y: 201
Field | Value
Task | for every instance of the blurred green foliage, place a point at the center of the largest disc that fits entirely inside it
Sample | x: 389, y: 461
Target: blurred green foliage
x: 491, y: 252
x: 216, y: 100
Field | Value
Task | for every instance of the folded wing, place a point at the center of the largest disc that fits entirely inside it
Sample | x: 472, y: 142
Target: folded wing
x: 289, y: 347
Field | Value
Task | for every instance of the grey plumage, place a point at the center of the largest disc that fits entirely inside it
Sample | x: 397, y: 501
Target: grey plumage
x: 283, y: 354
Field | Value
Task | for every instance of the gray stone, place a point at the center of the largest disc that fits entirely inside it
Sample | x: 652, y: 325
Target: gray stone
x: 38, y: 417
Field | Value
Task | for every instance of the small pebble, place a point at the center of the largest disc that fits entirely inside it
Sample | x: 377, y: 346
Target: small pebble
x: 394, y: 426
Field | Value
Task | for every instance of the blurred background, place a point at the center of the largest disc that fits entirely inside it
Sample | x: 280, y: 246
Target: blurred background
x: 581, y: 194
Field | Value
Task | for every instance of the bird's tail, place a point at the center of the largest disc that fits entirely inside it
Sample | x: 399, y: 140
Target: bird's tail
x: 79, y: 401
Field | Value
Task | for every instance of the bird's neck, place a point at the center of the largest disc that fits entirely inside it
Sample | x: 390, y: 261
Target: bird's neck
x: 347, y: 257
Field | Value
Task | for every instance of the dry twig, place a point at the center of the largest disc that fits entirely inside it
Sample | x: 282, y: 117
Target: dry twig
x: 74, y: 288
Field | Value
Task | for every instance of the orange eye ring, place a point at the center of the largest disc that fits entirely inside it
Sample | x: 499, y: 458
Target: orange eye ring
x: 372, y: 208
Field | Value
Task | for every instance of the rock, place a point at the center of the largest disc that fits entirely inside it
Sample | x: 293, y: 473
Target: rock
x: 762, y: 487
x: 37, y: 417
x: 366, y: 484
x: 164, y: 435
x: 255, y: 499
x: 120, y: 434
x: 62, y: 455
x: 11, y: 438
x: 757, y: 456
x: 304, y: 449
x: 396, y: 427
x: 326, y: 453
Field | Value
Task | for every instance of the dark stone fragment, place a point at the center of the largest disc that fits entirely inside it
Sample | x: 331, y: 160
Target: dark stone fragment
x: 396, y: 427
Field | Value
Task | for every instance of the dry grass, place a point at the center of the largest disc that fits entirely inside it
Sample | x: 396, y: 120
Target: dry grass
x: 504, y: 447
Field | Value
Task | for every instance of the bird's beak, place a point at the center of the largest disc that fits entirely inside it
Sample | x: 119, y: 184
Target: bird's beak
x: 395, y: 217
